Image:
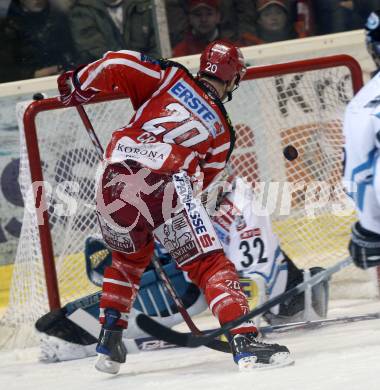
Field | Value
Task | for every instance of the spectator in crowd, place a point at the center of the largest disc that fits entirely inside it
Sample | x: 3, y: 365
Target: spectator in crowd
x: 334, y: 16
x: 363, y: 8
x: 274, y: 23
x: 4, y: 8
x: 63, y: 5
x: 36, y: 41
x: 236, y: 17
x: 176, y: 13
x: 204, y: 19
x: 99, y: 26
x: 303, y: 15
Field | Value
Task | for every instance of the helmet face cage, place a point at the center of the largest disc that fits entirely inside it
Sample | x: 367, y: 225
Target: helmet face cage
x: 372, y: 28
x: 223, y: 61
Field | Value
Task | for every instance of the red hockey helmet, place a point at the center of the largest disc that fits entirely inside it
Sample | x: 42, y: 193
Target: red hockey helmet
x: 223, y: 61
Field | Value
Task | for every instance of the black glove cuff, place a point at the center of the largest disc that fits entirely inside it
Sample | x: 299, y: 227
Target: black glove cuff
x: 364, y: 238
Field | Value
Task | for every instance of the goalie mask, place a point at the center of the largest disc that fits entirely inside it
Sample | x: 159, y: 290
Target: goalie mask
x: 223, y: 61
x: 372, y: 28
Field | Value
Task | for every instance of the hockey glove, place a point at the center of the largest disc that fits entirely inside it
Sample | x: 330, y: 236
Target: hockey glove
x: 364, y: 247
x: 70, y: 90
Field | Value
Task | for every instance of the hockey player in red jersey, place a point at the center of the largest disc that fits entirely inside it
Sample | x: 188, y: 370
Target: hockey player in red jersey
x: 179, y: 133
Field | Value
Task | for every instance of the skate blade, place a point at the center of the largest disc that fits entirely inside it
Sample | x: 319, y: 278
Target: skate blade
x: 247, y: 363
x: 105, y: 364
x: 277, y: 361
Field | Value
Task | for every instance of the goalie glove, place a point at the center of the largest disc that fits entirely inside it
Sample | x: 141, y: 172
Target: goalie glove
x: 70, y: 90
x: 364, y: 247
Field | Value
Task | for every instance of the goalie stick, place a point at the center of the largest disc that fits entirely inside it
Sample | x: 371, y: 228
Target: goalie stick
x: 159, y: 331
x: 313, y: 325
x: 218, y: 345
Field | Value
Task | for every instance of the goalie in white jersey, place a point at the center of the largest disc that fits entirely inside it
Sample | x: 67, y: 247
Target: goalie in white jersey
x: 362, y: 163
x: 250, y: 243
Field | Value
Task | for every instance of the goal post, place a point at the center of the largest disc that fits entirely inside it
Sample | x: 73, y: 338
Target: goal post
x: 297, y: 103
x: 36, y: 174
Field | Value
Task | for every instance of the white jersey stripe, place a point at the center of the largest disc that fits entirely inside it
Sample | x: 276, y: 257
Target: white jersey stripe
x: 218, y: 299
x: 171, y: 74
x: 80, y: 73
x: 123, y: 316
x: 187, y: 161
x: 120, y: 283
x: 131, y: 53
x: 219, y: 149
x: 245, y: 325
x: 119, y: 61
x: 215, y: 165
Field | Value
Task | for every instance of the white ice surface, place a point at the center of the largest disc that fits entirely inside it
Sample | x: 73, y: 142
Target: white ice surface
x: 342, y: 357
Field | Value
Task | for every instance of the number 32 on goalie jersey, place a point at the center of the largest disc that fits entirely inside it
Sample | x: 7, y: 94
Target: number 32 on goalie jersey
x: 253, y: 251
x: 248, y: 239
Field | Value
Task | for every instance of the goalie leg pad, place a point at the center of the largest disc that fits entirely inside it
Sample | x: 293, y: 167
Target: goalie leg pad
x: 54, y: 349
x: 307, y: 306
x: 56, y: 323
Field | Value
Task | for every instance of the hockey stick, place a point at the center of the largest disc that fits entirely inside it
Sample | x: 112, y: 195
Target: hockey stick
x: 90, y: 131
x: 217, y: 345
x: 192, y: 341
x: 312, y: 325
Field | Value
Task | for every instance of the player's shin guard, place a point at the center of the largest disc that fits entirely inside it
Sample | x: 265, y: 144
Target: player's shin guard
x: 223, y: 292
x: 121, y: 282
x: 226, y: 299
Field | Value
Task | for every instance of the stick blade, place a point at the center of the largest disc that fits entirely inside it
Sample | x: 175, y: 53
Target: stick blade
x: 161, y: 332
x: 171, y: 336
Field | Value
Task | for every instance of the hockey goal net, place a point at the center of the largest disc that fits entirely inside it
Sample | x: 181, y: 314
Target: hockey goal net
x: 299, y: 104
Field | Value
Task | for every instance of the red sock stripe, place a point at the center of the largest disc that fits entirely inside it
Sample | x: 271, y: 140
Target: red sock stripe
x: 121, y: 282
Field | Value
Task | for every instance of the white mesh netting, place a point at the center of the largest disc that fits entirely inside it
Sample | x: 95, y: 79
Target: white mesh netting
x: 304, y: 110
x: 309, y: 209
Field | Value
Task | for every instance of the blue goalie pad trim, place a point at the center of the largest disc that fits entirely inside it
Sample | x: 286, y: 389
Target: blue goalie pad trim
x: 152, y: 298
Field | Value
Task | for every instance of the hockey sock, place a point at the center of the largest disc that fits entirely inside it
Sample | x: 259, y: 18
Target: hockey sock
x: 217, y: 276
x: 121, y: 282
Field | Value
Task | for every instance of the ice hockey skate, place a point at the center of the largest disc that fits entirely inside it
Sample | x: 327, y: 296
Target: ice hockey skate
x: 110, y: 348
x: 250, y: 353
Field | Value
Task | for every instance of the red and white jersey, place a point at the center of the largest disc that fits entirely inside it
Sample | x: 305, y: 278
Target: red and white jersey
x: 178, y: 124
